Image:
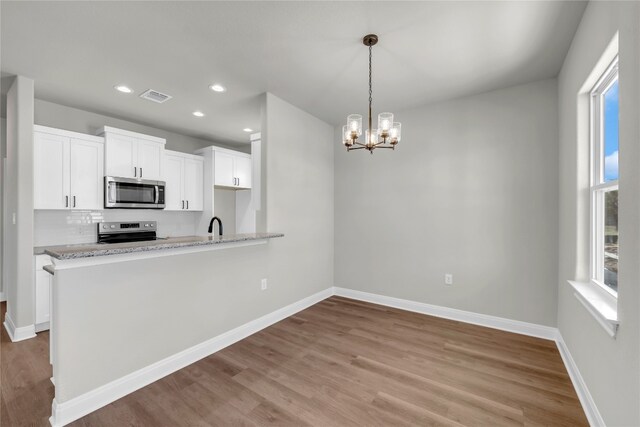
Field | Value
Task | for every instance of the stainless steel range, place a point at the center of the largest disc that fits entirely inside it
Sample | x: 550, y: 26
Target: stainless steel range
x: 122, y: 232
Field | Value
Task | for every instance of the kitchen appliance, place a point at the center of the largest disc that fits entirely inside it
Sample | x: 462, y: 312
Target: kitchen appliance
x: 123, y: 232
x: 132, y: 193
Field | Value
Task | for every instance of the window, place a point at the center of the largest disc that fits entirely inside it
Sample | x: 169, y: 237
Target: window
x: 604, y: 180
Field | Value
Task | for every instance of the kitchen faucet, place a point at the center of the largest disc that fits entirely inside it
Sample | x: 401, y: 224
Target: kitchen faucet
x: 219, y: 225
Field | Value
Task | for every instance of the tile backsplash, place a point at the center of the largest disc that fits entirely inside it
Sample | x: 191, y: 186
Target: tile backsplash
x: 70, y: 227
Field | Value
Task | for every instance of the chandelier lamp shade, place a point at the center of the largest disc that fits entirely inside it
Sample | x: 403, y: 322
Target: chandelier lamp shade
x: 388, y: 132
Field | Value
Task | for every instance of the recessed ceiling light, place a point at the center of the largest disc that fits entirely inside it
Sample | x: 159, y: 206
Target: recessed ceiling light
x: 247, y: 130
x: 123, y: 89
x: 198, y: 113
x: 217, y: 87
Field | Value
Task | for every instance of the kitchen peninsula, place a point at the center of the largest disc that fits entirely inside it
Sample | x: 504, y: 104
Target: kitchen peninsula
x: 61, y: 253
x: 126, y: 314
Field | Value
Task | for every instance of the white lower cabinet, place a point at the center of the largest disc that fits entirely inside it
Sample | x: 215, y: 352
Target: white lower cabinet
x: 43, y: 281
x: 184, y: 178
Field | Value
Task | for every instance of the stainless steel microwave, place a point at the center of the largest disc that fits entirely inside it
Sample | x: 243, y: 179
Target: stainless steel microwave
x: 132, y: 193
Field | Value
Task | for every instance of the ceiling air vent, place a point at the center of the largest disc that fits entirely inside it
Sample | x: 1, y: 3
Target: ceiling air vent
x: 155, y: 96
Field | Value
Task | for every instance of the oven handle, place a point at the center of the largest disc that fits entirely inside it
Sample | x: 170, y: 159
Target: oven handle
x: 157, y: 194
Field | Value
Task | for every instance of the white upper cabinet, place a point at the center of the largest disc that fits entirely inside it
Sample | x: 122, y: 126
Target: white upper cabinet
x: 149, y: 160
x: 242, y: 171
x: 193, y: 183
x: 184, y: 177
x: 68, y: 170
x: 85, y: 173
x: 223, y: 169
x: 232, y: 169
x: 51, y: 171
x: 119, y: 155
x: 132, y: 155
x: 173, y: 170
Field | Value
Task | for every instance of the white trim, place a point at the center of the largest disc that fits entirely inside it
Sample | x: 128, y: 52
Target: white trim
x: 108, y: 129
x: 18, y: 334
x: 71, y: 410
x: 39, y: 327
x: 180, y: 154
x: 2, y: 297
x: 214, y: 148
x: 517, y: 326
x: 588, y: 404
x: 68, y: 133
x: 599, y: 303
x: 67, y: 412
x: 153, y: 252
x: 524, y: 328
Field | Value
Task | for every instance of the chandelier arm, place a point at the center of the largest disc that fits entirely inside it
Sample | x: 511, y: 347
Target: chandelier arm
x: 355, y: 148
x: 360, y: 143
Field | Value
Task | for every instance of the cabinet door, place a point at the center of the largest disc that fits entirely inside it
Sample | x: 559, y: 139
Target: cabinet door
x: 172, y: 175
x: 149, y: 159
x: 223, y: 173
x: 42, y: 296
x: 193, y: 183
x: 85, y: 166
x: 120, y: 154
x: 50, y: 171
x: 242, y: 172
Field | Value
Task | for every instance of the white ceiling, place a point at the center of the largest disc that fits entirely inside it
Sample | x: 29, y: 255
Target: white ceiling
x: 308, y: 53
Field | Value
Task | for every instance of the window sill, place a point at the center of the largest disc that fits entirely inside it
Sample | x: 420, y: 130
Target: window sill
x: 599, y: 303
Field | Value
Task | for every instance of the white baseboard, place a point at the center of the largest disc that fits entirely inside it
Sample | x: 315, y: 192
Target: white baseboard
x: 517, y: 326
x: 524, y: 328
x: 71, y: 410
x: 80, y: 406
x: 588, y: 404
x: 18, y: 334
x: 44, y: 326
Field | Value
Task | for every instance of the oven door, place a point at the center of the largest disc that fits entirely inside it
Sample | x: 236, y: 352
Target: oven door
x: 133, y: 193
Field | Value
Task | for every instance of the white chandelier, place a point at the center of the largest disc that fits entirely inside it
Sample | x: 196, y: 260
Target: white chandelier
x: 388, y: 133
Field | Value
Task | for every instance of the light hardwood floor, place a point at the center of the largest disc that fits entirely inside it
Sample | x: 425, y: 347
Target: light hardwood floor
x: 338, y: 363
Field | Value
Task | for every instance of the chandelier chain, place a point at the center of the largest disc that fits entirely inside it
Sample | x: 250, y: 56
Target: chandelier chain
x: 370, y: 90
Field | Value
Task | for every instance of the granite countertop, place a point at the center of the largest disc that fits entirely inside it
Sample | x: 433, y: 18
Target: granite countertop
x: 95, y: 249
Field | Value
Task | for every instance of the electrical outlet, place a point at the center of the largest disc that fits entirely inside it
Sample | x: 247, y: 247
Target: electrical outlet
x: 448, y: 279
x: 263, y: 284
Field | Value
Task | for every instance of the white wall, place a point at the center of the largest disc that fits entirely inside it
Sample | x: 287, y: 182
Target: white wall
x: 18, y: 237
x: 217, y: 290
x: 3, y: 144
x: 68, y: 118
x: 471, y: 190
x: 297, y: 151
x: 610, y: 367
x: 225, y: 209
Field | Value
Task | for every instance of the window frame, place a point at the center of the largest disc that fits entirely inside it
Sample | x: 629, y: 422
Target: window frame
x: 597, y: 184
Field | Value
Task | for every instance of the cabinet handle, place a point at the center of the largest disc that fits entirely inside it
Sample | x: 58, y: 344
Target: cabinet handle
x: 238, y: 182
x: 74, y: 201
x: 66, y: 201
x: 183, y: 204
x: 140, y: 172
x: 135, y: 172
x: 187, y: 205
